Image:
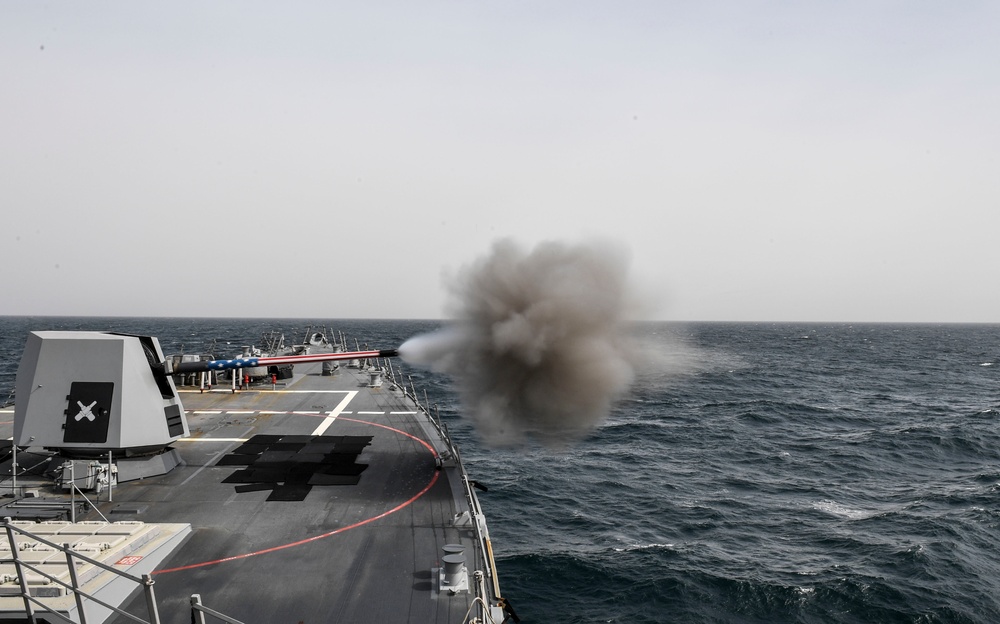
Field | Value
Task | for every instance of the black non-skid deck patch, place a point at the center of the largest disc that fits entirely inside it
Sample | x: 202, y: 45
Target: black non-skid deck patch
x: 291, y: 465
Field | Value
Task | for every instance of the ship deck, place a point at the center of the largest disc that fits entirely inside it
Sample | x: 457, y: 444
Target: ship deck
x: 286, y: 524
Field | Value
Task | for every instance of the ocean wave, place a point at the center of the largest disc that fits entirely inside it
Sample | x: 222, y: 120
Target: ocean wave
x: 653, y: 546
x: 768, y: 406
x: 843, y: 511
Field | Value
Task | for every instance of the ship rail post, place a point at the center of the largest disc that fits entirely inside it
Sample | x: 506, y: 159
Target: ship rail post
x: 19, y: 568
x: 75, y: 581
x: 197, y: 615
x: 198, y: 611
x: 147, y: 585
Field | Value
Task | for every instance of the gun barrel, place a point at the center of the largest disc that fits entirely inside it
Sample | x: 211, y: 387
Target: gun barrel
x: 252, y: 362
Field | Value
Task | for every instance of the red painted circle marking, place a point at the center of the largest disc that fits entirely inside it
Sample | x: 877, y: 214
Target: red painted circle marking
x: 314, y: 538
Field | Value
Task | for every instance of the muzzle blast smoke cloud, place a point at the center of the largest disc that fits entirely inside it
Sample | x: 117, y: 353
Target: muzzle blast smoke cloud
x: 538, y: 345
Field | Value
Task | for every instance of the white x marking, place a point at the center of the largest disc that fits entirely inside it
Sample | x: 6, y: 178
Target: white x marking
x: 85, y: 411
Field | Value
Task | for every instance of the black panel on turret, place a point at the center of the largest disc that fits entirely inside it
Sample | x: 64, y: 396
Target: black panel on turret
x: 175, y: 420
x: 89, y: 412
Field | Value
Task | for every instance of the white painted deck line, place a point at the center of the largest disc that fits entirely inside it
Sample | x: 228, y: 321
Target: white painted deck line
x: 332, y: 415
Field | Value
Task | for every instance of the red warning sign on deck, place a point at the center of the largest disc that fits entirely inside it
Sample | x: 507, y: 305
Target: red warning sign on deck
x: 130, y: 560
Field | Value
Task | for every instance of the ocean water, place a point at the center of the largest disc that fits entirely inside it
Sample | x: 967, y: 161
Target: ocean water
x: 754, y: 473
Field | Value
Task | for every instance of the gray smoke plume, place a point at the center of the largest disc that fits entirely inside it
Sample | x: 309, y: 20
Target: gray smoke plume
x: 538, y: 345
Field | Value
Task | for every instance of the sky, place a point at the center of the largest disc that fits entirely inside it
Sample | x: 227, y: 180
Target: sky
x: 760, y: 161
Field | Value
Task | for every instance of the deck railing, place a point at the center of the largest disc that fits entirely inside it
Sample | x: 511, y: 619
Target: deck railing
x: 33, y: 606
x: 478, y: 518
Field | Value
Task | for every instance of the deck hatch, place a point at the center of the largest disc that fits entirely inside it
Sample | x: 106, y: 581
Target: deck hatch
x: 88, y: 412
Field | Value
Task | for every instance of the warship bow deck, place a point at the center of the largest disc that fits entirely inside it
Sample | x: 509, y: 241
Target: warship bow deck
x: 316, y: 499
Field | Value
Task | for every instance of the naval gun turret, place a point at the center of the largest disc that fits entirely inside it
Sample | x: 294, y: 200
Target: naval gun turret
x: 88, y: 394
